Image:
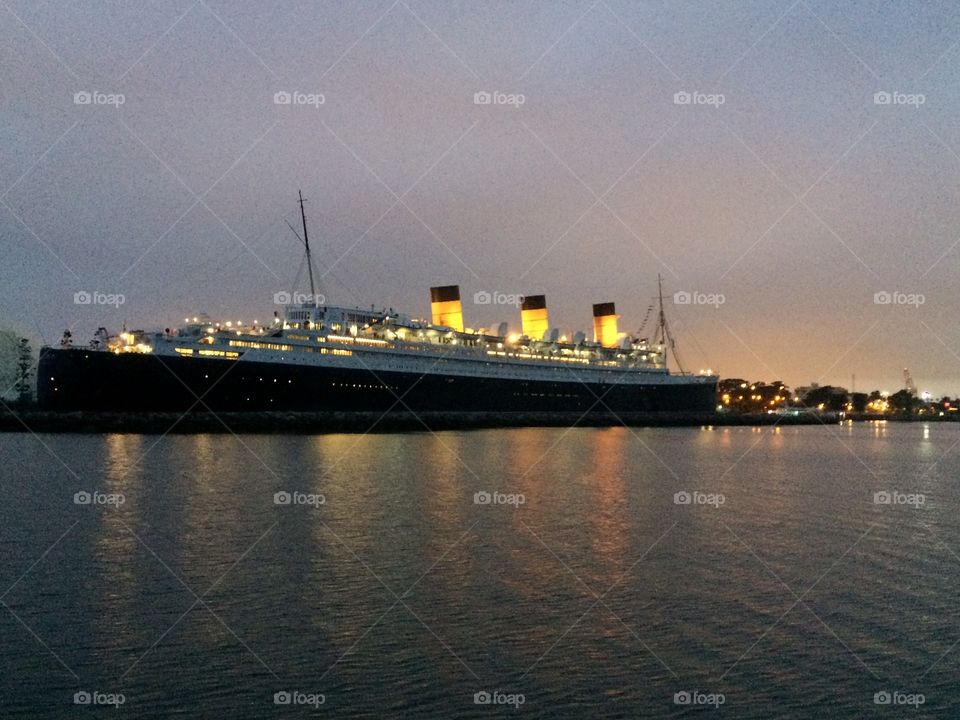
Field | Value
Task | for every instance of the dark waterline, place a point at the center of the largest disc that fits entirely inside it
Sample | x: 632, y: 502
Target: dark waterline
x: 400, y: 595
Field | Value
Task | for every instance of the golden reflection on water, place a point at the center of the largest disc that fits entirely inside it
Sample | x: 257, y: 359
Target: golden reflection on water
x: 336, y: 467
x: 204, y: 482
x: 775, y: 439
x: 123, y: 468
x: 524, y: 468
x: 927, y: 449
x: 397, y: 504
x: 444, y: 491
x: 579, y: 515
x: 606, y: 509
x: 116, y: 547
x: 725, y: 438
x: 354, y: 521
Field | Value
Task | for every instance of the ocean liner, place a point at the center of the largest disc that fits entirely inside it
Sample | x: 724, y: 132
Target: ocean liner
x: 320, y: 357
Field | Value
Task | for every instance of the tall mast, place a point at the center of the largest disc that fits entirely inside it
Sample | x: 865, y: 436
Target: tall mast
x: 666, y: 339
x: 306, y: 244
x: 662, y: 320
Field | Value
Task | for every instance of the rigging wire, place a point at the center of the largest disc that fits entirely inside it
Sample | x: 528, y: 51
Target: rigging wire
x: 350, y: 289
x: 646, y: 319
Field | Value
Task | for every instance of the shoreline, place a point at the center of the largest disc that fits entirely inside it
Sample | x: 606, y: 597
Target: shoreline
x: 87, y: 422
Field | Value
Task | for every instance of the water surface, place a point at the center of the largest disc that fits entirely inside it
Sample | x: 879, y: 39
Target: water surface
x: 791, y: 592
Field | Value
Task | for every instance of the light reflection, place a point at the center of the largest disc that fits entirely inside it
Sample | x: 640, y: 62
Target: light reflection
x: 450, y: 478
x: 531, y: 453
x: 725, y: 438
x: 528, y: 458
x: 124, y: 453
x: 340, y: 467
x: 115, y: 547
x: 607, y: 508
x: 336, y: 466
x: 776, y: 439
x: 926, y: 449
x: 209, y: 506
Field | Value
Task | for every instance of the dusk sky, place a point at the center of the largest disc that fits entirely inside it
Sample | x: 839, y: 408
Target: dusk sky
x: 787, y: 198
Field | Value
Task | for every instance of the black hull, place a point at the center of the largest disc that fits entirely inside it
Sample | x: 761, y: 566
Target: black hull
x: 75, y: 379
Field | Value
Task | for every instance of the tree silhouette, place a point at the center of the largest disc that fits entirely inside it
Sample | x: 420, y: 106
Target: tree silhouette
x: 24, y: 384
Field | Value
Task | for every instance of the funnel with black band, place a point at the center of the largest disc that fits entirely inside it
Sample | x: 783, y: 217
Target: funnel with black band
x: 445, y: 306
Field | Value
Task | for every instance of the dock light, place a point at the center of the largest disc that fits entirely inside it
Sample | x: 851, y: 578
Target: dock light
x: 195, y: 320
